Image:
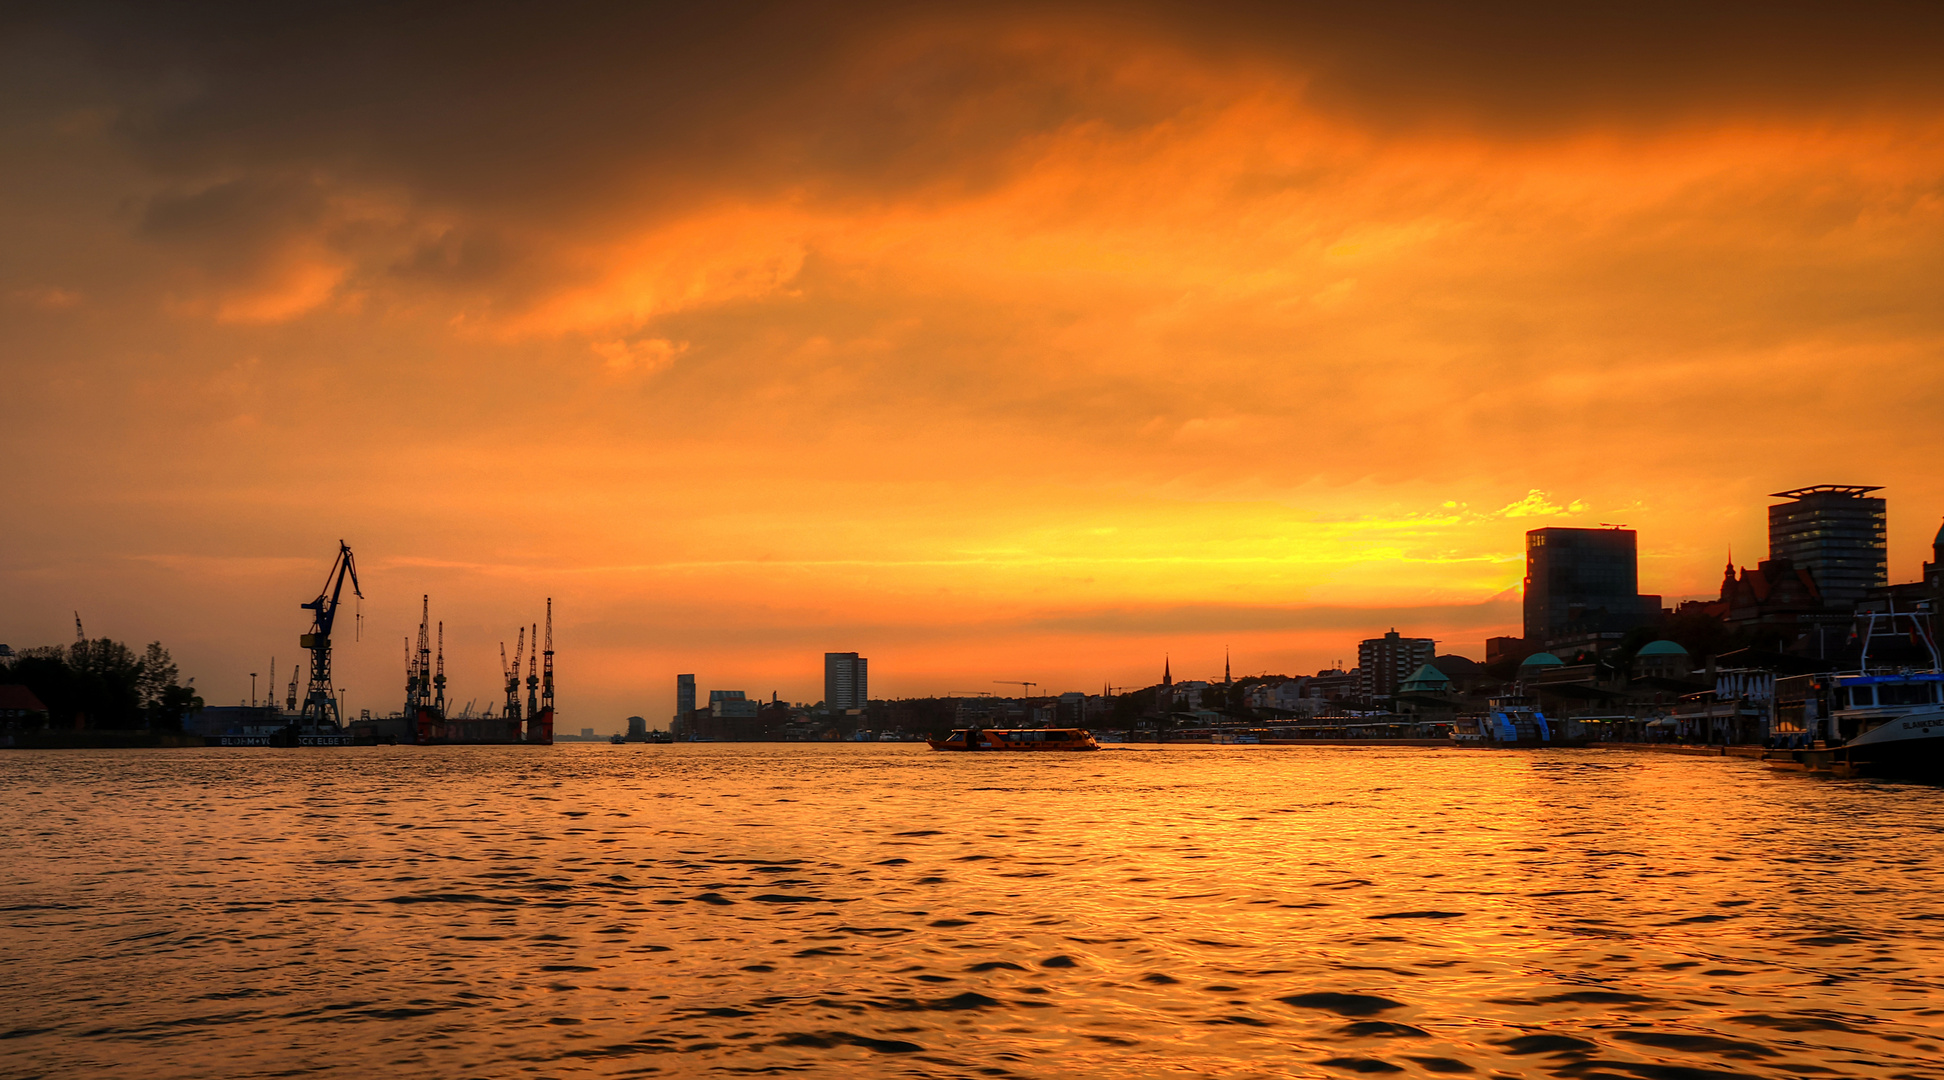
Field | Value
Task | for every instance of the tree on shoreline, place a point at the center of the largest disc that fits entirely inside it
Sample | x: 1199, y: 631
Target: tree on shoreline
x: 101, y: 684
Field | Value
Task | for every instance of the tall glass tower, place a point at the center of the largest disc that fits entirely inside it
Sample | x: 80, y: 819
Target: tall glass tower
x: 684, y: 696
x: 1586, y: 578
x: 1836, y: 532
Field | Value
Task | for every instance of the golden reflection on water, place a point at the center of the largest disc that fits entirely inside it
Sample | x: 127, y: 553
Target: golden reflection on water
x: 882, y: 910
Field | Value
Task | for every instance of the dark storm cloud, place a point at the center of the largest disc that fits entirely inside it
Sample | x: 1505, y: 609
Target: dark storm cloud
x: 551, y: 107
x: 548, y: 107
x: 488, y: 130
x: 1539, y: 68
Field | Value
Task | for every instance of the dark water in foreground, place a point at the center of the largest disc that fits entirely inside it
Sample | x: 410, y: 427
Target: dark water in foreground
x: 882, y: 910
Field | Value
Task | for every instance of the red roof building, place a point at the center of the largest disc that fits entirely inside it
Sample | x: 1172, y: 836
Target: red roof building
x: 17, y: 702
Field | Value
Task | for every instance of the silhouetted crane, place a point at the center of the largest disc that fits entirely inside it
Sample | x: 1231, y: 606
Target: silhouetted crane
x: 1015, y: 682
x: 533, y: 676
x: 546, y: 670
x: 439, y: 680
x: 418, y: 685
x: 513, y: 676
x: 319, y: 701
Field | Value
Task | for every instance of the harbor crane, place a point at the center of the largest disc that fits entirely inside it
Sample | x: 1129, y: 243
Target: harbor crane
x: 513, y: 676
x: 319, y: 701
x: 1016, y: 682
x: 546, y: 670
x: 533, y: 675
x: 439, y: 679
x: 418, y: 665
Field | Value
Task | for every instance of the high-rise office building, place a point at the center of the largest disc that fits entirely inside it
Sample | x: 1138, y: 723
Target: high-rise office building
x: 1580, y: 580
x: 847, y: 683
x: 684, y: 696
x: 1836, y: 532
x: 1383, y: 663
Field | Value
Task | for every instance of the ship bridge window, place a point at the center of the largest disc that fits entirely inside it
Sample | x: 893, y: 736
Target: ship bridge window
x: 1862, y: 697
x: 1906, y: 694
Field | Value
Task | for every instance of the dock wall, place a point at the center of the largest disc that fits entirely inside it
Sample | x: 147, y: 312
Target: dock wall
x: 1754, y: 752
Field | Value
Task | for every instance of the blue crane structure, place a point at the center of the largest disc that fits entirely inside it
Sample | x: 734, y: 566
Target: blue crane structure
x: 319, y: 702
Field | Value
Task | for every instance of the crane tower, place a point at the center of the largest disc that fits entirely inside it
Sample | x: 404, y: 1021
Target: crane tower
x: 546, y: 670
x: 320, y: 703
x: 533, y: 677
x: 512, y: 710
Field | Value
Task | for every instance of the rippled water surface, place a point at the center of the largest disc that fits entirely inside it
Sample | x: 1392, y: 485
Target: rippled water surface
x: 882, y: 910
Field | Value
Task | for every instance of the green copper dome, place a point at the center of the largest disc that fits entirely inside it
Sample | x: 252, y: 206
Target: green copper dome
x: 1663, y: 647
x: 1426, y: 678
x: 1542, y: 659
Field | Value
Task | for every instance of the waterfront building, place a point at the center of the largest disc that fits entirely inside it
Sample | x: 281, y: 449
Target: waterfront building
x: 1504, y: 648
x: 1926, y: 594
x: 846, y: 681
x: 1426, y: 680
x: 684, y: 695
x: 1072, y: 709
x: 1836, y: 533
x: 1776, y: 593
x: 1277, y: 693
x: 1426, y: 690
x: 1584, y: 584
x: 20, y: 710
x: 731, y: 703
x: 1333, y: 684
x: 1384, y: 663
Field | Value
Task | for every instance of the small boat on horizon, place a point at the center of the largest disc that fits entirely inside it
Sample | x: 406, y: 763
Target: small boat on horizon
x: 982, y: 739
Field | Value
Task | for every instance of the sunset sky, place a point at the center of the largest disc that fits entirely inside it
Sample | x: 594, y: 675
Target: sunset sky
x: 993, y: 342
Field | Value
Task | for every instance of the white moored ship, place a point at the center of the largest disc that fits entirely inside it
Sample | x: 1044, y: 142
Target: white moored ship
x: 1877, y: 721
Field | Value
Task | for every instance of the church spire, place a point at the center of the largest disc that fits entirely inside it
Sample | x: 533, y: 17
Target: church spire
x: 1227, y: 678
x: 1167, y: 677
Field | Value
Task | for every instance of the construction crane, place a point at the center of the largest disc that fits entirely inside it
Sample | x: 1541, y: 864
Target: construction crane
x: 1015, y: 682
x: 319, y: 701
x: 968, y: 693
